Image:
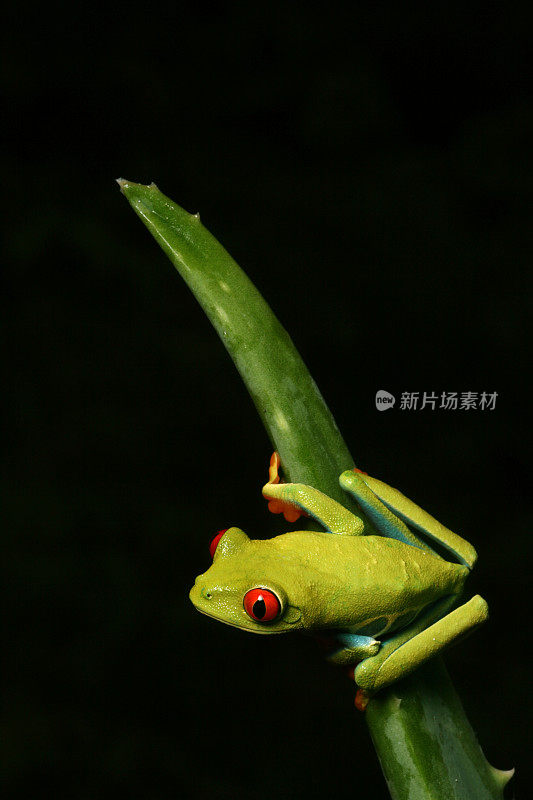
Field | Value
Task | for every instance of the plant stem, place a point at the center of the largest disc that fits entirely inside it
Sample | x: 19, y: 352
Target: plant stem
x: 423, y: 739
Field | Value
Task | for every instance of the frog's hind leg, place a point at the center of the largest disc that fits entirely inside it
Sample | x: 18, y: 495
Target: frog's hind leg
x: 419, y: 519
x: 428, y: 635
x: 379, y: 514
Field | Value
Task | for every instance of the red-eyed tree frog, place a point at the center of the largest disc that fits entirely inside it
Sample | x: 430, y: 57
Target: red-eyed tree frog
x: 369, y: 583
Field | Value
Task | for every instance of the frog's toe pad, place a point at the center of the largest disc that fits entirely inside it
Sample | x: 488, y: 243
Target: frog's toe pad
x: 361, y: 700
x: 277, y: 504
x: 289, y: 511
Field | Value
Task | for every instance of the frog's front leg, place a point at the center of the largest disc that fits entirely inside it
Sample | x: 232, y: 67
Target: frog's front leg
x: 293, y: 499
x: 404, y: 652
x: 352, y: 648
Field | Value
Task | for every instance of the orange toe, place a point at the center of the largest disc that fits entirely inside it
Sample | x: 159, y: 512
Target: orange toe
x: 361, y: 700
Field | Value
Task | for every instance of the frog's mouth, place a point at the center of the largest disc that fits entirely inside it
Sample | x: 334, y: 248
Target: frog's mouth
x: 265, y: 629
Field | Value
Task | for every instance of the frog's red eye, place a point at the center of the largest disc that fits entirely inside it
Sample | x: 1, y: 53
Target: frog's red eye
x: 262, y: 605
x: 215, y: 541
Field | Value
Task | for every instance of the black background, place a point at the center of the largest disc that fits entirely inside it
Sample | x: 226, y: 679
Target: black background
x: 371, y: 171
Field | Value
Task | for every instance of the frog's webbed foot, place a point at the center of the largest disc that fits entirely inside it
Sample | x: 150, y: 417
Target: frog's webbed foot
x: 277, y: 503
x: 298, y: 499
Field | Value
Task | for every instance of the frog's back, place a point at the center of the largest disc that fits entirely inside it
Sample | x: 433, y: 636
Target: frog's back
x: 370, y: 576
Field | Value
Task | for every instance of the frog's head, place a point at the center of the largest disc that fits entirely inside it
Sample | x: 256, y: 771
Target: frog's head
x: 243, y: 586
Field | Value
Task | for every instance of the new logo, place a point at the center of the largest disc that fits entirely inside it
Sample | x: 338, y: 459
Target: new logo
x: 384, y: 400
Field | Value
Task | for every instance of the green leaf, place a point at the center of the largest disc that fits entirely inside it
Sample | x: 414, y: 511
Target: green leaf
x: 426, y: 746
x: 287, y: 399
x: 425, y: 743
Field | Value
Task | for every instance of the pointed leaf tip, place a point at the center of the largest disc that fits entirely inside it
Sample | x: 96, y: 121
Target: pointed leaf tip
x: 140, y: 190
x: 502, y: 776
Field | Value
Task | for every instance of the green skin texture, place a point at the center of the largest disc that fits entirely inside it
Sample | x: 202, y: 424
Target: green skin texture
x: 396, y: 596
x: 423, y: 739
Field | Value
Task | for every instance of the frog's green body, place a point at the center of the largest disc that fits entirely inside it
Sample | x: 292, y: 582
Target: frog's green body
x: 386, y: 599
x: 359, y: 584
